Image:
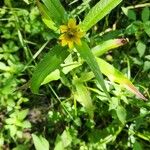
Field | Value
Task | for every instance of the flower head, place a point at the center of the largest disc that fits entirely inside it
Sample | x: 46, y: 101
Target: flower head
x: 71, y: 34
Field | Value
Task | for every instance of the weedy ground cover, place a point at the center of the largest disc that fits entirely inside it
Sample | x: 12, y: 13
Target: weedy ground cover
x: 74, y: 74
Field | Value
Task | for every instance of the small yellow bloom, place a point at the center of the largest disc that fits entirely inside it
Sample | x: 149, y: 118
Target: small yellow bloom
x: 70, y: 34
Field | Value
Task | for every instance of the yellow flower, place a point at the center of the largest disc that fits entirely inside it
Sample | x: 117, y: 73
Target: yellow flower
x: 71, y: 34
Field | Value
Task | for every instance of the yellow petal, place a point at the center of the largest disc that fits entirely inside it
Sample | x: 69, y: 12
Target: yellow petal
x: 62, y: 37
x: 70, y: 44
x: 63, y: 42
x: 80, y: 34
x: 77, y: 41
x: 63, y: 28
x: 72, y: 23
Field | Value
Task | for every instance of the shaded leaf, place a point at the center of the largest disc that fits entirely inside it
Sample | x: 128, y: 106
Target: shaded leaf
x: 145, y: 14
x: 129, y: 13
x: 147, y: 27
x: 137, y: 146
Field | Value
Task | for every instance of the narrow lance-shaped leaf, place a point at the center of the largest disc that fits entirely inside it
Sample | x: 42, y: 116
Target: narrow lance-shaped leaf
x: 50, y: 62
x: 88, y: 56
x: 105, y: 46
x: 44, y: 10
x: 83, y: 96
x: 46, y: 16
x: 116, y: 76
x: 57, y: 12
x: 100, y: 10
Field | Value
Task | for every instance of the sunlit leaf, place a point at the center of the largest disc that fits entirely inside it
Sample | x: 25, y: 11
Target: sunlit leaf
x: 59, y: 144
x: 56, y: 11
x: 46, y: 16
x: 22, y: 114
x: 50, y: 62
x: 55, y: 75
x: 40, y: 143
x: 105, y: 46
x: 100, y: 10
x: 115, y: 75
x: 88, y: 56
x: 82, y: 95
x: 121, y: 113
x: 141, y: 47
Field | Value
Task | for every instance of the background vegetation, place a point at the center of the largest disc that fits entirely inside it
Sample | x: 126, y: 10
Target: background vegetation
x: 54, y: 119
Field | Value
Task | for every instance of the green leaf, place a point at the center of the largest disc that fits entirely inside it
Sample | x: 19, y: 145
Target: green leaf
x: 46, y: 16
x: 55, y: 75
x: 66, y: 138
x: 3, y: 67
x: 147, y: 57
x: 50, y: 62
x: 59, y: 144
x: 129, y: 13
x: 82, y: 95
x: 63, y: 141
x: 147, y: 27
x: 145, y: 14
x: 50, y: 24
x: 137, y: 146
x: 141, y: 47
x: 40, y: 143
x: 113, y: 103
x: 146, y: 66
x: 100, y: 10
x: 88, y: 56
x: 21, y: 147
x: 22, y: 114
x: 26, y: 1
x: 121, y: 113
x: 105, y: 46
x: 43, y: 10
x: 115, y: 75
x: 68, y: 66
x: 13, y: 130
x: 56, y: 10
